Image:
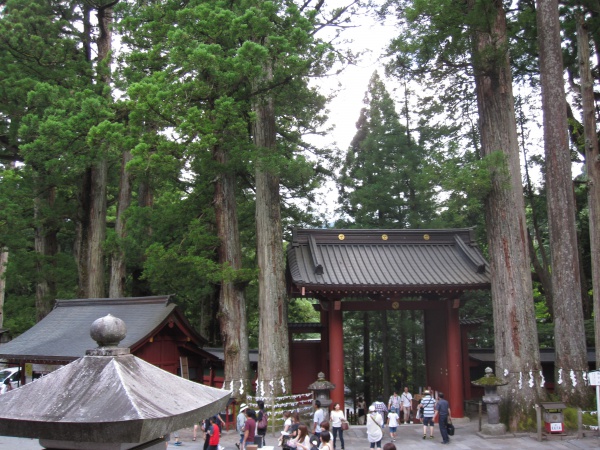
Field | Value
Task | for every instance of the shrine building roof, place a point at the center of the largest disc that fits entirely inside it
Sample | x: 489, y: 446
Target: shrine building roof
x: 64, y: 334
x: 337, y: 263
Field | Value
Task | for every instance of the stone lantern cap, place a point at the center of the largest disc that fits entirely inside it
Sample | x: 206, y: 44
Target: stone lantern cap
x: 321, y: 384
x: 107, y: 396
x: 489, y: 380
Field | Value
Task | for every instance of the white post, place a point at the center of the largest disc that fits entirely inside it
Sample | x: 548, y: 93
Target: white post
x: 598, y: 406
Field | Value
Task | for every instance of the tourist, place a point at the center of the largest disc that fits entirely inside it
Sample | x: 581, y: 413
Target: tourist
x: 325, y: 438
x: 249, y: 428
x: 427, y: 412
x: 394, y: 403
x: 393, y: 419
x: 337, y: 416
x: 442, y: 409
x: 362, y: 410
x: 374, y: 428
x: 287, y: 423
x: 381, y: 408
x: 302, y: 441
x: 240, y: 422
x: 406, y: 403
x: 318, y: 417
x: 261, y: 428
x: 215, y: 434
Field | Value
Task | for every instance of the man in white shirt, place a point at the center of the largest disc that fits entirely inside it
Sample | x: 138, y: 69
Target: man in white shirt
x: 318, y: 417
x: 406, y: 400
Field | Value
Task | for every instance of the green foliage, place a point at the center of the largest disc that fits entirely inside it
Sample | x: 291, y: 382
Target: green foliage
x: 19, y: 313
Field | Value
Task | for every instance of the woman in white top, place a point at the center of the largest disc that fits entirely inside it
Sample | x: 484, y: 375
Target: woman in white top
x: 287, y: 424
x: 337, y: 416
x: 302, y: 441
x: 374, y: 430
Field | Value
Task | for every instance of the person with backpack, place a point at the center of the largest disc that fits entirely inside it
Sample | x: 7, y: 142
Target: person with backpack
x: 427, y: 412
x: 261, y: 424
x: 374, y: 428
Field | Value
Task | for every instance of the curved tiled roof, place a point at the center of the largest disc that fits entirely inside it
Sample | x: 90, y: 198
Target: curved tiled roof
x: 404, y: 262
x: 64, y: 334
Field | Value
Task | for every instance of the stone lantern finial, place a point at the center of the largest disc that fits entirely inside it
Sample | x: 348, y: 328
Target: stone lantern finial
x: 108, y: 332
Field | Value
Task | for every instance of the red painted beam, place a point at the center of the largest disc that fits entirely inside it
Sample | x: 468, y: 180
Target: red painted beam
x: 390, y: 305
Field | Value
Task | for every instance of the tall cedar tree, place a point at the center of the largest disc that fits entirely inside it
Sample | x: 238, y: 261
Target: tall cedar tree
x: 382, y: 181
x: 485, y: 49
x: 569, y: 336
x: 592, y: 161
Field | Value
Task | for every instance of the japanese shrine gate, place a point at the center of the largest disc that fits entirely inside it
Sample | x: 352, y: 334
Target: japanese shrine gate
x: 393, y: 269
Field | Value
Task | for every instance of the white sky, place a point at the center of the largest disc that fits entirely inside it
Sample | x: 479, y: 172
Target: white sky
x: 369, y: 37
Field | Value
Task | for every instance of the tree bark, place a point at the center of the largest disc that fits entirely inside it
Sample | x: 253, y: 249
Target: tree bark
x: 92, y: 233
x: 273, y: 346
x: 118, y: 269
x: 385, y: 353
x: 3, y: 264
x: 516, y: 341
x: 232, y: 299
x: 46, y: 247
x: 367, y: 358
x: 569, y: 336
x: 592, y: 164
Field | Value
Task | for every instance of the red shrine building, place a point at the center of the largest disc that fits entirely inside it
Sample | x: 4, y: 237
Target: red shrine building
x: 394, y: 269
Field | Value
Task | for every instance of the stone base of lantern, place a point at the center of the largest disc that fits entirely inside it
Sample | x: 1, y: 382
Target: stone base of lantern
x: 496, y: 429
x: 159, y: 444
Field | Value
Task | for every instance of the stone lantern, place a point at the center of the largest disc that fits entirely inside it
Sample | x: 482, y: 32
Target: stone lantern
x: 108, y: 400
x: 322, y: 392
x: 491, y: 399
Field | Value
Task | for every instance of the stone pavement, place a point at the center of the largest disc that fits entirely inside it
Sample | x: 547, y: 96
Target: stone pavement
x: 409, y: 437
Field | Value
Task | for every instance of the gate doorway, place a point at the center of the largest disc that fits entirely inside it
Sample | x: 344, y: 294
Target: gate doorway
x: 385, y: 270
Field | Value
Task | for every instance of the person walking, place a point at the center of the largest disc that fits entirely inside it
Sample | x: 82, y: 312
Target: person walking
x: 302, y: 441
x: 393, y: 419
x: 318, y: 417
x: 406, y: 402
x: 261, y: 424
x: 374, y: 428
x: 215, y: 434
x: 427, y: 412
x: 249, y: 428
x: 240, y: 422
x: 443, y: 413
x: 362, y: 410
x: 337, y: 416
x: 381, y: 408
x: 394, y: 403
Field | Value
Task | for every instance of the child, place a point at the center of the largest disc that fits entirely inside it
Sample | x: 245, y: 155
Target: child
x: 393, y: 419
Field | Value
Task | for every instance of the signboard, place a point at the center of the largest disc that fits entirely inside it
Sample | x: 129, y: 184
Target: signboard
x: 594, y: 378
x: 556, y: 428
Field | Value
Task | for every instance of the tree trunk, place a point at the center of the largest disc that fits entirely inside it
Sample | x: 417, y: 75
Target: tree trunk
x: 386, y: 355
x: 46, y: 247
x: 232, y: 301
x: 367, y: 357
x: 273, y: 346
x: 592, y: 164
x: 118, y: 270
x: 516, y: 341
x: 3, y: 264
x: 92, y: 232
x: 569, y: 336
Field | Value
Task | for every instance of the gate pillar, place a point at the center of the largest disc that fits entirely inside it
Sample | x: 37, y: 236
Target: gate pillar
x: 336, y: 352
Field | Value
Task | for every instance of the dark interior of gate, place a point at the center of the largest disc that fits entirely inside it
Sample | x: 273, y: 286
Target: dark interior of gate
x: 392, y: 269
